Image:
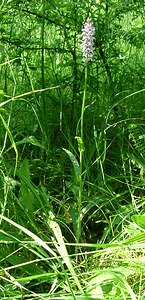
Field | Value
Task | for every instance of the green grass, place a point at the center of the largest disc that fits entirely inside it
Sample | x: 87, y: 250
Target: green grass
x: 40, y: 259
x: 72, y: 219
x: 103, y: 271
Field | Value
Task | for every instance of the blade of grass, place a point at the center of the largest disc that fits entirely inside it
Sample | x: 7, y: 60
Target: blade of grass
x: 31, y: 234
x: 61, y: 248
x: 11, y: 139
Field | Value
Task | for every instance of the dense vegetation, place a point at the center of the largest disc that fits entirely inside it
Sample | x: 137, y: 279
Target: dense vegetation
x: 72, y: 155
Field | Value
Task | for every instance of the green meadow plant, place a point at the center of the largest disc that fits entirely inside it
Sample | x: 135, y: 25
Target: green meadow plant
x: 87, y: 52
x: 87, y: 49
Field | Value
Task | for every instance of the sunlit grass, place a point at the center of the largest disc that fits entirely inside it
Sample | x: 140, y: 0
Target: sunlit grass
x: 102, y: 271
x: 64, y: 162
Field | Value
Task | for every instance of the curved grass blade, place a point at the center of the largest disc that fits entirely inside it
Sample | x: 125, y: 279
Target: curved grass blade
x: 31, y: 234
x: 61, y: 248
x: 75, y: 164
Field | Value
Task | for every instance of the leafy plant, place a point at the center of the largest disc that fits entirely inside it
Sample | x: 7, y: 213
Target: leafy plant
x: 72, y: 150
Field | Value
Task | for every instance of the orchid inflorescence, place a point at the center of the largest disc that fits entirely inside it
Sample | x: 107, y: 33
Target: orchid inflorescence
x: 87, y: 40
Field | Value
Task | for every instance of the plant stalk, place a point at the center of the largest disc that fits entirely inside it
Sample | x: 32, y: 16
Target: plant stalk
x: 81, y: 150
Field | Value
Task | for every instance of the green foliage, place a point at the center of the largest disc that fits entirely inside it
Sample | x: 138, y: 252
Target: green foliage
x: 72, y: 151
x: 139, y: 220
x: 75, y: 165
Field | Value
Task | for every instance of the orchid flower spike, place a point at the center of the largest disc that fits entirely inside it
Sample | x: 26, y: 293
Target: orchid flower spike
x: 88, y: 40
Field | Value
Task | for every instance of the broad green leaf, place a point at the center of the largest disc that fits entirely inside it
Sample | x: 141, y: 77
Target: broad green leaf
x: 30, y: 140
x: 26, y: 196
x: 74, y: 163
x: 28, y: 190
x: 139, y: 220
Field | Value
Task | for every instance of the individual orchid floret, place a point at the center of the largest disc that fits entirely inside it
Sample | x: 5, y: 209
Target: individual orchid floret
x: 87, y: 40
